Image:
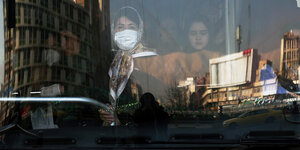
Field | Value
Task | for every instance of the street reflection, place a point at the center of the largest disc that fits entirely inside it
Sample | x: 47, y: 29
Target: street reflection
x: 203, y: 60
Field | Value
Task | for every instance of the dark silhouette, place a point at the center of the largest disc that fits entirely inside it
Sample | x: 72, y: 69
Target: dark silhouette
x: 295, y: 108
x: 151, y: 118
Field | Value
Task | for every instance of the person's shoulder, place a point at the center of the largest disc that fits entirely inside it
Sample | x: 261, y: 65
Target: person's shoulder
x: 137, y: 114
x: 137, y: 111
x: 162, y: 111
x: 209, y: 54
x: 140, y: 48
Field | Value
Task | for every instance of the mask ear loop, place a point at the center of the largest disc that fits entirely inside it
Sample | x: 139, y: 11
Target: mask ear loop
x: 140, y: 31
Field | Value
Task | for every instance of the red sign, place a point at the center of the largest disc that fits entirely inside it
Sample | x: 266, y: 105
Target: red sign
x: 247, y: 51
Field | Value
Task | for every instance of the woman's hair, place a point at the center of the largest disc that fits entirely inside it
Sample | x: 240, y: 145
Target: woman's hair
x: 130, y: 14
x: 190, y: 21
x: 148, y: 102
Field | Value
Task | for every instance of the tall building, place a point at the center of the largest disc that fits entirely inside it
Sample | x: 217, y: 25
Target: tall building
x: 56, y: 42
x: 290, y: 56
x: 50, y: 44
x: 100, y: 21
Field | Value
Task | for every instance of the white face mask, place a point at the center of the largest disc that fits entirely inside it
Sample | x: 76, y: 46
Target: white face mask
x: 127, y: 39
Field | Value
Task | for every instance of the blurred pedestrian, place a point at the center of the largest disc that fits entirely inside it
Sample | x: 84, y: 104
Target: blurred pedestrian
x: 151, y: 118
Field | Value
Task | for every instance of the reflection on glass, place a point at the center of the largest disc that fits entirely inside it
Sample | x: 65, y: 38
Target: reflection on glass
x: 114, y: 51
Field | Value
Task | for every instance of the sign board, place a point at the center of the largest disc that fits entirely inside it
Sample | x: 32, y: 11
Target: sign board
x: 232, y: 69
x: 52, y: 90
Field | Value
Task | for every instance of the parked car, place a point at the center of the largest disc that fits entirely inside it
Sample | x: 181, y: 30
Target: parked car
x: 252, y: 117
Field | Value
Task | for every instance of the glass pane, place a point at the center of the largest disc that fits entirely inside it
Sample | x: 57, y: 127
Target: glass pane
x: 215, y: 66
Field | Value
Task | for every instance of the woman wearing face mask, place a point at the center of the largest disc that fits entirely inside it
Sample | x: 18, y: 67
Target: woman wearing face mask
x: 127, y: 31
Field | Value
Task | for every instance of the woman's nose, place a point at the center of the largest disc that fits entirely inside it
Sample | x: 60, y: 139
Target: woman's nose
x: 198, y: 37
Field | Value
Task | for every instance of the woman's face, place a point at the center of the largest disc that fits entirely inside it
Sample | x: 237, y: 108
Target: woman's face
x: 198, y: 35
x: 124, y: 23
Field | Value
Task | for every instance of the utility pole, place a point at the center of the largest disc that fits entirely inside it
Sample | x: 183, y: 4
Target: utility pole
x: 238, y: 38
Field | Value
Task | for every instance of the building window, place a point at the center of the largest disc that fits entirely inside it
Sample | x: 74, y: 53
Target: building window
x: 63, y: 59
x: 58, y: 40
x: 221, y: 95
x: 52, y: 22
x: 39, y: 17
x: 83, y: 18
x: 87, y: 80
x: 66, y: 88
x: 36, y: 16
x: 54, y: 5
x: 89, y: 51
x: 20, y: 77
x: 258, y: 90
x: 79, y: 17
x: 18, y: 14
x: 74, y: 61
x: 82, y: 79
x: 27, y: 14
x: 65, y: 25
x: 70, y: 75
x: 32, y: 36
x: 71, y: 12
x: 44, y: 36
x: 26, y: 57
x: 83, y: 50
x: 79, y: 63
x: 215, y: 96
x: 246, y: 92
x: 44, y: 3
x: 67, y: 10
x: 55, y: 73
x: 73, y: 28
x: 22, y: 33
x: 32, y: 1
x: 61, y: 27
x: 28, y: 75
x: 43, y: 73
x: 38, y: 54
x: 78, y: 31
x: 48, y: 21
x: 52, y: 39
x: 58, y: 6
x: 88, y: 67
x: 18, y: 58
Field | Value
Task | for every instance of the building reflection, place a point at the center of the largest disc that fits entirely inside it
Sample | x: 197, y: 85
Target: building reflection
x: 57, y: 42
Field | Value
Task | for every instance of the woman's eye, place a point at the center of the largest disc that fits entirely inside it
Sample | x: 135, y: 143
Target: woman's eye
x: 204, y: 32
x: 120, y: 27
x: 193, y: 33
x: 133, y: 27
